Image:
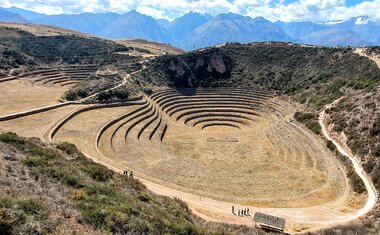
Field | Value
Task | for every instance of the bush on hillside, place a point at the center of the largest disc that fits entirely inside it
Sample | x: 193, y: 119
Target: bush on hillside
x: 310, y: 120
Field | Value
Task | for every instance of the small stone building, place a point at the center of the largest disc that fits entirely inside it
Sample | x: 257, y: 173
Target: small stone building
x: 269, y: 222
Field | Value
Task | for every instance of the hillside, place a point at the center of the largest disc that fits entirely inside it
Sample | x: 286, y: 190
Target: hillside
x: 42, y: 30
x: 26, y: 49
x: 150, y: 48
x: 360, y: 132
x: 312, y: 75
x: 55, y: 189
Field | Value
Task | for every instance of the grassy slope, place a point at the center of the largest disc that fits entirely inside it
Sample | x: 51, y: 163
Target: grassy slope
x: 55, y: 189
x: 23, y: 48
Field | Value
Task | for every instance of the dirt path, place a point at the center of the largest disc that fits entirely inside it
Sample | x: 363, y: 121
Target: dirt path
x: 372, y: 194
x: 125, y: 80
x: 361, y: 52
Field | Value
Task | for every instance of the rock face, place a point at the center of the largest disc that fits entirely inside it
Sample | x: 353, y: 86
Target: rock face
x: 217, y: 63
x: 193, y: 71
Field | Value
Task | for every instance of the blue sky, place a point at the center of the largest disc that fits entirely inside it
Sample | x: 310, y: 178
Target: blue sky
x: 285, y: 10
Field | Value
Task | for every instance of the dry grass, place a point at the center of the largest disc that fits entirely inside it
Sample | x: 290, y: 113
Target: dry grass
x: 155, y: 48
x: 38, y: 125
x: 19, y: 95
x: 42, y: 30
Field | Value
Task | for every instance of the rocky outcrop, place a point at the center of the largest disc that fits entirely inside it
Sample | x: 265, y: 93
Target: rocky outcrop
x: 192, y: 70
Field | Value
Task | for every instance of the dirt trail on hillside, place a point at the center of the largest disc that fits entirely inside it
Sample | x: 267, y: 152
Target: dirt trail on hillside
x: 372, y: 194
x: 361, y: 52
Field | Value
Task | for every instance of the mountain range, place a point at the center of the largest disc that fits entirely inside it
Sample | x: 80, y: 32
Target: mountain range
x: 194, y: 30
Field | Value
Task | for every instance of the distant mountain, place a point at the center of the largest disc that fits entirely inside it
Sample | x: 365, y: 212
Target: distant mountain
x: 195, y: 30
x: 136, y: 25
x: 164, y: 23
x: 300, y: 30
x: 362, y: 26
x: 181, y: 27
x: 335, y: 37
x: 6, y: 16
x: 234, y: 28
x: 28, y: 15
x: 92, y: 23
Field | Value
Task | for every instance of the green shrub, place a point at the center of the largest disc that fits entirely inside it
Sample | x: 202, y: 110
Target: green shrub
x: 99, y: 172
x: 72, y: 180
x: 147, y: 90
x: 303, y: 117
x: 330, y: 145
x: 71, y: 95
x: 121, y: 94
x: 356, y: 181
x: 314, y: 126
x: 33, y: 161
x: 81, y: 93
x: 310, y: 120
x: 376, y: 150
x: 68, y: 148
x: 30, y: 206
x: 143, y: 197
x: 104, y: 96
x: 10, y: 137
x: 75, y: 94
x: 7, y: 222
x: 375, y: 129
x: 368, y: 166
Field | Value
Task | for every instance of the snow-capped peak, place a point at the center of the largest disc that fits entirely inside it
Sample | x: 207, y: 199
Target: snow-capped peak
x: 362, y: 20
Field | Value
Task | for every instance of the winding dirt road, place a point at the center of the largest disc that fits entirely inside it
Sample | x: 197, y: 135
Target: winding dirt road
x: 372, y: 194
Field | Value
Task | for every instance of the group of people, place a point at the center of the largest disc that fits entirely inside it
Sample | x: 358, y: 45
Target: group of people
x: 244, y: 212
x: 129, y: 175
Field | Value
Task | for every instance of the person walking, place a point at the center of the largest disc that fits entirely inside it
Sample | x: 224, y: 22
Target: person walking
x: 233, y: 210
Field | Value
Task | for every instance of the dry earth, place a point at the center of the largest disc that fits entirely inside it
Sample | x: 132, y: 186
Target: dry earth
x: 42, y: 30
x: 213, y: 148
x: 155, y: 48
x: 21, y: 95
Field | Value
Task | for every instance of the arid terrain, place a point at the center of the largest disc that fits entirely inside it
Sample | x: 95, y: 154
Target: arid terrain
x: 236, y: 146
x: 187, y: 137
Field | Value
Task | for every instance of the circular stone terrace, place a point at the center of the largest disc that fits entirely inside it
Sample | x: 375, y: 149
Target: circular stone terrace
x: 229, y: 144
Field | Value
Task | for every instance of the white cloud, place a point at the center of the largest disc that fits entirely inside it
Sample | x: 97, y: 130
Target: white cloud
x: 158, y: 14
x: 314, y: 10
